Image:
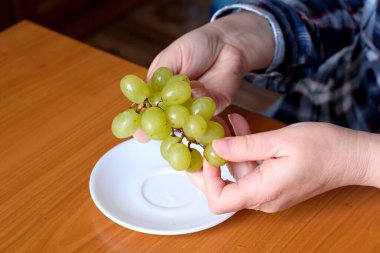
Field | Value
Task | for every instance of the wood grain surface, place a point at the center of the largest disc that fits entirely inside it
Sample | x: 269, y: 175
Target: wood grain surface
x: 57, y: 100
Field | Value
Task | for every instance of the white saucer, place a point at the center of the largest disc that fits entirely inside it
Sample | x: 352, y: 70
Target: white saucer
x: 136, y: 188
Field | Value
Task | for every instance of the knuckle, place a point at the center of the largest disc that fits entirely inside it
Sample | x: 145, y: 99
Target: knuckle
x: 248, y: 143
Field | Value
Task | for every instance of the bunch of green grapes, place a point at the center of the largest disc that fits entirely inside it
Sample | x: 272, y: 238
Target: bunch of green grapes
x: 165, y: 110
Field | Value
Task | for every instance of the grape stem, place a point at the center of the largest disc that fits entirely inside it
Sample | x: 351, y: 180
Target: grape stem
x: 147, y: 104
x: 183, y: 136
x: 158, y: 103
x: 140, y: 107
x: 143, y: 106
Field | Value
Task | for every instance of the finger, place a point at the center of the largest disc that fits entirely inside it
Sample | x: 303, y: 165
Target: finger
x: 167, y: 58
x: 237, y: 170
x: 222, y: 82
x: 182, y: 58
x: 140, y: 136
x: 221, y: 195
x: 251, y: 147
x: 198, y: 90
x: 240, y: 169
x: 172, y: 58
x: 239, y: 124
x: 252, y: 191
x: 197, y: 180
x: 272, y: 186
x: 240, y: 127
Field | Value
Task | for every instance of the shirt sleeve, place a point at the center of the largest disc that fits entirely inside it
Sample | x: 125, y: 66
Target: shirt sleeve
x: 306, y: 32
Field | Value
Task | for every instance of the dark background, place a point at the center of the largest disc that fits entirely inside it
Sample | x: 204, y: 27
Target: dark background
x: 136, y: 30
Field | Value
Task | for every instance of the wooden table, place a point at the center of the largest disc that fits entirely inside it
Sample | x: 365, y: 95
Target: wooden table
x: 57, y: 100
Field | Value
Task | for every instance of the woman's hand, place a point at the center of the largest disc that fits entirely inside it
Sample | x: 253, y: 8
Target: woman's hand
x: 217, y: 56
x: 278, y: 169
x: 220, y: 53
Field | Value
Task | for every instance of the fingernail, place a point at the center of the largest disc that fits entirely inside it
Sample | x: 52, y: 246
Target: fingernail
x: 232, y: 117
x: 198, y: 93
x: 220, y: 146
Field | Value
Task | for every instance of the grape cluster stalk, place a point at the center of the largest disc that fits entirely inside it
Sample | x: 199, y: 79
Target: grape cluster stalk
x: 165, y: 110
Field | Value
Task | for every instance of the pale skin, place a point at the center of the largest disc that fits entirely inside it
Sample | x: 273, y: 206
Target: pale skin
x: 273, y: 170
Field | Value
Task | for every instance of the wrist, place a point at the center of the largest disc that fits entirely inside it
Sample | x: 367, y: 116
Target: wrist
x: 362, y: 159
x: 251, y: 35
x: 373, y: 170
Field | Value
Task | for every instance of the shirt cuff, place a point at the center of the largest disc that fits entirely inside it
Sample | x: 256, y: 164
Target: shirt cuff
x: 279, y: 52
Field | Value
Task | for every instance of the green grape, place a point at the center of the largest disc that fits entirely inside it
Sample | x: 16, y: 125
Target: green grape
x: 177, y: 78
x: 214, y: 131
x: 154, y: 98
x: 211, y: 156
x: 166, y: 144
x: 172, y: 107
x: 194, y: 126
x: 203, y: 106
x: 176, y: 93
x: 163, y: 134
x: 179, y: 156
x: 153, y: 120
x: 188, y: 103
x: 160, y: 78
x: 176, y: 114
x: 126, y: 123
x: 134, y: 88
x: 196, y: 161
x: 164, y: 106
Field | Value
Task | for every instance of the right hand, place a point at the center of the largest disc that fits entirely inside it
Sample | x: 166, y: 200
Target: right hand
x: 218, y: 55
x: 277, y: 169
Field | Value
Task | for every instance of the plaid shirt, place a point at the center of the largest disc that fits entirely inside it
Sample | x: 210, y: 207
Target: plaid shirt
x: 326, y: 60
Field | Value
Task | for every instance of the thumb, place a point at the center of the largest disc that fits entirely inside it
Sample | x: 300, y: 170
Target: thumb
x: 251, y: 147
x: 167, y: 58
x: 173, y: 57
x: 140, y: 136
